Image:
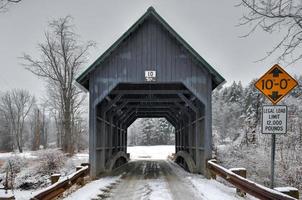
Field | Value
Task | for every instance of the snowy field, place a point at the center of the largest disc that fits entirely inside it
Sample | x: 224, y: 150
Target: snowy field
x: 159, y: 152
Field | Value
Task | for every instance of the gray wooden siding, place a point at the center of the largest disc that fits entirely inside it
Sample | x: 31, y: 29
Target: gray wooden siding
x: 150, y: 47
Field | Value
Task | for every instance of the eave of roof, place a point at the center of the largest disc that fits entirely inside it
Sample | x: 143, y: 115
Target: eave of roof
x: 216, y: 77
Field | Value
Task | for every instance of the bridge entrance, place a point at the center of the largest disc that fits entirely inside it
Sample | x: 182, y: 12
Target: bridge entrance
x: 120, y: 92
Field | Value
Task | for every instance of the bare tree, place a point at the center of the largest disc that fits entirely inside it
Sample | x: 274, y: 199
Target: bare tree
x: 39, y: 127
x: 15, y: 105
x: 284, y: 16
x: 5, y: 3
x: 6, y: 140
x: 35, y: 128
x: 61, y: 59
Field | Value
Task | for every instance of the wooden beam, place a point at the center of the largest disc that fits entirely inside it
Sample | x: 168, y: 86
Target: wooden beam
x: 188, y: 102
x: 183, y: 110
x: 122, y: 105
x: 150, y: 92
x: 157, y: 100
x: 113, y: 102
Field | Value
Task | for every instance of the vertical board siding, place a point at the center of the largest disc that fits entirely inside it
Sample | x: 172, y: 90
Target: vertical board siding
x: 150, y: 48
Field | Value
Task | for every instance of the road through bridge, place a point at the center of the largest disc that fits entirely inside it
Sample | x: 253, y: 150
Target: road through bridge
x: 150, y: 71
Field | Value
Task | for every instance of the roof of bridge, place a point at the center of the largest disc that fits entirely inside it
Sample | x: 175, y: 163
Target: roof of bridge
x: 217, y: 79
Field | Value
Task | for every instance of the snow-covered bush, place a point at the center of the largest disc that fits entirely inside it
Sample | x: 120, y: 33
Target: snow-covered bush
x: 50, y: 161
x: 11, y: 168
x: 37, y: 174
x: 31, y: 178
x: 293, y: 176
x: 14, y: 164
x: 33, y: 172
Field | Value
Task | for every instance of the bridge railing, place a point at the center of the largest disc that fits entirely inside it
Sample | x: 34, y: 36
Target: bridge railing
x: 61, y: 186
x: 246, y: 185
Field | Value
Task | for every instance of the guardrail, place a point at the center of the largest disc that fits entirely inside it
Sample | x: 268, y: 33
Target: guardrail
x: 246, y: 185
x: 61, y: 186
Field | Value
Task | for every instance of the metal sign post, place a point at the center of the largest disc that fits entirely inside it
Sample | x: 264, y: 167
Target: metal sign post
x: 274, y: 121
x: 273, y: 160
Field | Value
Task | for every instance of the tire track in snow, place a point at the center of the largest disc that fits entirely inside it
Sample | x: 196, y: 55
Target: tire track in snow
x: 144, y: 181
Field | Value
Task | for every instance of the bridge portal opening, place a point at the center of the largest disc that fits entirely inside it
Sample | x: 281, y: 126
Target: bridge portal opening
x: 127, y: 103
x: 150, y: 138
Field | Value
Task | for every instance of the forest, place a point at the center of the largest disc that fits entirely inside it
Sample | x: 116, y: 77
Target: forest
x: 151, y: 131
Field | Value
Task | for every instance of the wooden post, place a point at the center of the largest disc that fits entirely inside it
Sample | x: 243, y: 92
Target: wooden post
x: 54, y: 178
x: 80, y: 180
x: 78, y: 168
x: 212, y: 174
x: 86, y: 164
x: 290, y: 191
x: 241, y: 172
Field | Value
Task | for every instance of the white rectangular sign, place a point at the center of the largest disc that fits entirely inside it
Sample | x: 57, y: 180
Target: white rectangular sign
x: 150, y: 75
x: 274, y: 119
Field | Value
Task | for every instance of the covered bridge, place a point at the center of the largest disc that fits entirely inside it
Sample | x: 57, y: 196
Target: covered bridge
x: 150, y: 71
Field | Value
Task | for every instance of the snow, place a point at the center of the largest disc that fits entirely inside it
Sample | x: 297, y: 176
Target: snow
x: 249, y: 181
x: 159, y: 152
x: 160, y: 190
x: 92, y: 189
x: 238, y: 169
x: 24, y: 194
x: 6, y: 194
x: 208, y: 188
x: 81, y: 156
x: 27, y: 154
x: 285, y: 189
x: 18, y: 194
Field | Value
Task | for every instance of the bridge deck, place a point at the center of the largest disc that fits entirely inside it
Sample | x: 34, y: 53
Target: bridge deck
x: 160, y: 180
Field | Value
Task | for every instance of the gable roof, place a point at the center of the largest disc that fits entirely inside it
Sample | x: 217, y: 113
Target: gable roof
x: 83, y: 79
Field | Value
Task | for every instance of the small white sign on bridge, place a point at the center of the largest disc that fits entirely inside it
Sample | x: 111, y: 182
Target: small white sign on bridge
x: 274, y: 119
x: 150, y: 75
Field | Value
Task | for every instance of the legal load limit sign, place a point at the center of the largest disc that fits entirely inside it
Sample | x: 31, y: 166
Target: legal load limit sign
x: 275, y: 84
x: 274, y: 119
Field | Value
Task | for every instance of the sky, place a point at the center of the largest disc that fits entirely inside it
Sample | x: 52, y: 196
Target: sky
x: 209, y: 26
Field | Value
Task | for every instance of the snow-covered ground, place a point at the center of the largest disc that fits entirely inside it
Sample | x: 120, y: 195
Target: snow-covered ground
x: 150, y: 176
x: 93, y: 189
x: 27, y: 155
x: 208, y: 189
x: 159, y: 152
x: 30, y: 164
x: 20, y: 194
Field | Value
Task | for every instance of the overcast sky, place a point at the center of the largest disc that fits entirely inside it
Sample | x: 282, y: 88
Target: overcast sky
x: 209, y: 26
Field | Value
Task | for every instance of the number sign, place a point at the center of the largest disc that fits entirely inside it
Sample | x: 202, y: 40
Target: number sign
x: 150, y: 75
x: 275, y: 84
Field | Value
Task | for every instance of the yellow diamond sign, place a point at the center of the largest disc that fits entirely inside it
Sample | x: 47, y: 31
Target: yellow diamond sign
x: 276, y: 83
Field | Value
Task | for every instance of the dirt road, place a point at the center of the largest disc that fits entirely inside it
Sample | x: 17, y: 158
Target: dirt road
x: 145, y: 180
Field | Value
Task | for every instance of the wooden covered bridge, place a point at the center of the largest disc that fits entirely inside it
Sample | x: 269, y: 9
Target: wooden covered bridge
x: 150, y: 71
